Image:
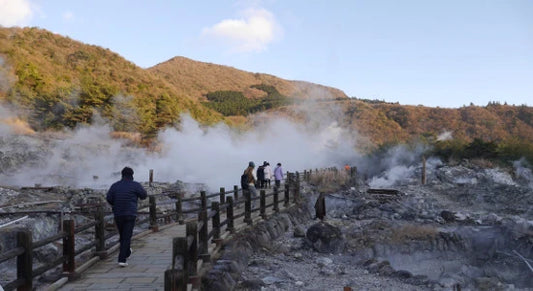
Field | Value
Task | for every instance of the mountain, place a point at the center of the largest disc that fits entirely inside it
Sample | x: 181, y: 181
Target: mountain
x: 196, y: 79
x: 57, y: 82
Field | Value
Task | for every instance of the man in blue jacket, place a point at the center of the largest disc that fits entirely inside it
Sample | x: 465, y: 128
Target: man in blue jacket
x: 123, y: 196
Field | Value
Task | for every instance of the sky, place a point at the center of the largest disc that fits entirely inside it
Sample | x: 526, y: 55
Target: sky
x: 445, y: 53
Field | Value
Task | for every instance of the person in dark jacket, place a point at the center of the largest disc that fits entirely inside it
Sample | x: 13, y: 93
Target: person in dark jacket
x: 261, y: 176
x: 123, y: 196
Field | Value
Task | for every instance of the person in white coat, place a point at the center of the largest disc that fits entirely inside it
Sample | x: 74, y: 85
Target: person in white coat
x: 268, y: 174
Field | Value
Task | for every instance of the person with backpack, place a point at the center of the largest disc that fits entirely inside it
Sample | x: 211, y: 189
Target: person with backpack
x: 248, y: 177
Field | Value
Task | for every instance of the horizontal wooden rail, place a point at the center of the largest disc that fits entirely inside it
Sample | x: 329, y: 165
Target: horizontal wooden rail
x: 208, y: 229
x: 178, y: 277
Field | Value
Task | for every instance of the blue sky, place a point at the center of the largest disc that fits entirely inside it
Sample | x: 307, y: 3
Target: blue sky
x: 445, y: 53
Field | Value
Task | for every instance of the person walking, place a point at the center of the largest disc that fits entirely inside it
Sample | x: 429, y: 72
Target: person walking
x: 249, y: 172
x: 268, y: 175
x: 123, y: 196
x: 278, y: 175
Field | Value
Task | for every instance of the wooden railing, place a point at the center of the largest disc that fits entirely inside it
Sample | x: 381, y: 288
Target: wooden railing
x: 194, y: 249
x: 191, y: 249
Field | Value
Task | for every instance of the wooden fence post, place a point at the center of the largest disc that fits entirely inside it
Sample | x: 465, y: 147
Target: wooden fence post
x: 99, y: 232
x: 236, y: 193
x: 25, y: 260
x: 176, y: 279
x: 423, y: 170
x: 69, y: 248
x: 276, y: 199
x: 153, y: 214
x: 262, y: 204
x: 151, y: 177
x: 179, y: 211
x: 203, y: 237
x: 353, y: 176
x: 297, y: 192
x: 287, y: 187
x: 222, y: 195
x: 203, y: 200
x: 248, y: 207
x: 191, y: 230
x: 215, y: 206
x: 229, y: 215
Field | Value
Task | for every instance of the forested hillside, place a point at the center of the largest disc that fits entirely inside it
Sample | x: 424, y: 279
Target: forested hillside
x: 57, y: 82
x: 60, y: 82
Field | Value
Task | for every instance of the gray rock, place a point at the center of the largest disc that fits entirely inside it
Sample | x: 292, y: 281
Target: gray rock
x: 326, y: 238
x: 269, y: 280
x: 299, y: 231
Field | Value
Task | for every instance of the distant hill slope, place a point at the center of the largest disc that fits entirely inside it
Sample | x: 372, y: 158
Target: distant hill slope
x: 196, y: 79
x: 58, y: 82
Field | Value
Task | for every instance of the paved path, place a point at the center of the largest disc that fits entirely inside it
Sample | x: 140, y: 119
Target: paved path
x: 152, y: 255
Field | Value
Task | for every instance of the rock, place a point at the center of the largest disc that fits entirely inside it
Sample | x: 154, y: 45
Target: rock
x: 448, y: 282
x: 269, y: 280
x: 325, y: 238
x: 402, y: 274
x: 299, y: 283
x: 323, y: 261
x: 460, y: 216
x: 254, y: 284
x: 491, y: 219
x: 448, y: 216
x: 488, y: 283
x: 327, y: 271
x: 299, y: 231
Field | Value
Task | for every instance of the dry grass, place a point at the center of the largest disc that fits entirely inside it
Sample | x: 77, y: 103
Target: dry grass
x: 413, y: 232
x: 483, y: 163
x: 330, y: 180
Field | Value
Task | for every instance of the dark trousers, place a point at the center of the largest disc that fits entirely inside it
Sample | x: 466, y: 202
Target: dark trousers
x: 125, y: 226
x: 278, y: 183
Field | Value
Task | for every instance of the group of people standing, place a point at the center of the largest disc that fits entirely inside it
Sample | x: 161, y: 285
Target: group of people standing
x: 264, y: 176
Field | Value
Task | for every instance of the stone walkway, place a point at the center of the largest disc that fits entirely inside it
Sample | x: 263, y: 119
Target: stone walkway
x: 152, y: 256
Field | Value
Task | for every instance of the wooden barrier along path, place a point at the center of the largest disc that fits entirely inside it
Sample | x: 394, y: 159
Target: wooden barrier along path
x: 168, y: 255
x: 152, y: 267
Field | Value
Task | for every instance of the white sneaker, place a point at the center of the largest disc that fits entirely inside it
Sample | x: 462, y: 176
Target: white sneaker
x: 131, y: 252
x: 123, y: 264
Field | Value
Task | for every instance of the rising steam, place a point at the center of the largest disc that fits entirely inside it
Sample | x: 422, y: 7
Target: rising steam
x: 216, y: 156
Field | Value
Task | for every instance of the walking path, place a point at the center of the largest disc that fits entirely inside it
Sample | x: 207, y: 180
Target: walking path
x: 151, y: 257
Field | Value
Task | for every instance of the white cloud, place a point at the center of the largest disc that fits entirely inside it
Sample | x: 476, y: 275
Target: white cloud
x: 15, y: 12
x: 68, y: 15
x: 252, y: 33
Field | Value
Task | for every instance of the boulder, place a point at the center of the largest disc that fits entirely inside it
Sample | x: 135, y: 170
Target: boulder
x: 325, y: 238
x: 299, y: 231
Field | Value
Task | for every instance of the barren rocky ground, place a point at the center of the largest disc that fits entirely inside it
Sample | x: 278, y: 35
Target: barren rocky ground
x: 468, y: 228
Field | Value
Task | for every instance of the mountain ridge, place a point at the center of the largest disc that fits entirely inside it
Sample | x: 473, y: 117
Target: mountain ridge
x: 58, y: 82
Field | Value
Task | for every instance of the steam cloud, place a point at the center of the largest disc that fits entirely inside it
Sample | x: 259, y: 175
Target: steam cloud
x: 216, y: 156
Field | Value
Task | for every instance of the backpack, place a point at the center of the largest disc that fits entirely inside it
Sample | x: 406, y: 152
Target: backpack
x: 244, y: 182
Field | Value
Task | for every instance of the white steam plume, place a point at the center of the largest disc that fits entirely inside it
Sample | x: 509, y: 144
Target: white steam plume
x: 215, y: 156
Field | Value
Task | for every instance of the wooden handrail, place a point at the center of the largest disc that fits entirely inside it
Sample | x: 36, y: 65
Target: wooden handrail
x: 178, y: 277
x: 197, y: 239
